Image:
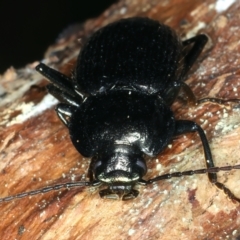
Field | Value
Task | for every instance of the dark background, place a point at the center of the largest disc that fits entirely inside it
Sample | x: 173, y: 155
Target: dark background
x: 27, y: 27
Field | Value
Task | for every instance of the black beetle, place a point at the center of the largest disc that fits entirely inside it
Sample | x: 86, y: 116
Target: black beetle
x: 117, y: 106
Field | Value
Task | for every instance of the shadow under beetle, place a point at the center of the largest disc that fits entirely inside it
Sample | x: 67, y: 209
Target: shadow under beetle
x: 117, y: 106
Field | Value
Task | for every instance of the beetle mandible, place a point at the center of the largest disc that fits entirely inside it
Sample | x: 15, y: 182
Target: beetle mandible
x: 117, y: 106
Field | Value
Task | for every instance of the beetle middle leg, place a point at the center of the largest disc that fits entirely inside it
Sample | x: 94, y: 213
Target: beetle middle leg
x: 191, y: 99
x: 198, y: 42
x: 192, y: 48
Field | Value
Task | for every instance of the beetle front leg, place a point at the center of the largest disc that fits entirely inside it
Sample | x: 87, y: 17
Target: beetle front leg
x: 185, y: 126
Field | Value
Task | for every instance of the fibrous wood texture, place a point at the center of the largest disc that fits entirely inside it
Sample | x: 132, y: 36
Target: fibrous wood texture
x: 35, y: 149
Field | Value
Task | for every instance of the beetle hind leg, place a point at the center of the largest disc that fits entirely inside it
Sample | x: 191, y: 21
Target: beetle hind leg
x: 61, y: 86
x: 62, y: 96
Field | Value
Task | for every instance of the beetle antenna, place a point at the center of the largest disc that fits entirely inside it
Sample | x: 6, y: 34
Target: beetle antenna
x: 49, y: 189
x: 150, y: 181
x: 192, y: 172
x: 200, y: 171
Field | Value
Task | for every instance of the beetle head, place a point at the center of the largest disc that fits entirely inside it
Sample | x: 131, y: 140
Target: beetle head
x: 120, y: 170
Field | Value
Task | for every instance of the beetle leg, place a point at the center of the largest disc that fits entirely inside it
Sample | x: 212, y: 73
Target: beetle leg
x: 187, y: 94
x: 64, y: 112
x: 198, y: 42
x: 62, y: 86
x: 185, y: 126
x: 191, y: 50
x: 62, y: 96
x: 58, y: 79
x: 198, y: 171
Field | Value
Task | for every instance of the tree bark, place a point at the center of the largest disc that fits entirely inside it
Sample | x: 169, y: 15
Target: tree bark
x: 36, y: 151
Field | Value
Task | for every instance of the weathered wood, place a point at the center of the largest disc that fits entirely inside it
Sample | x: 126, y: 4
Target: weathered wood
x: 35, y: 149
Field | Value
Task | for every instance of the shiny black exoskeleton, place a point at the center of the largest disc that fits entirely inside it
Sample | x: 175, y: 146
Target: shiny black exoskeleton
x: 117, y: 106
